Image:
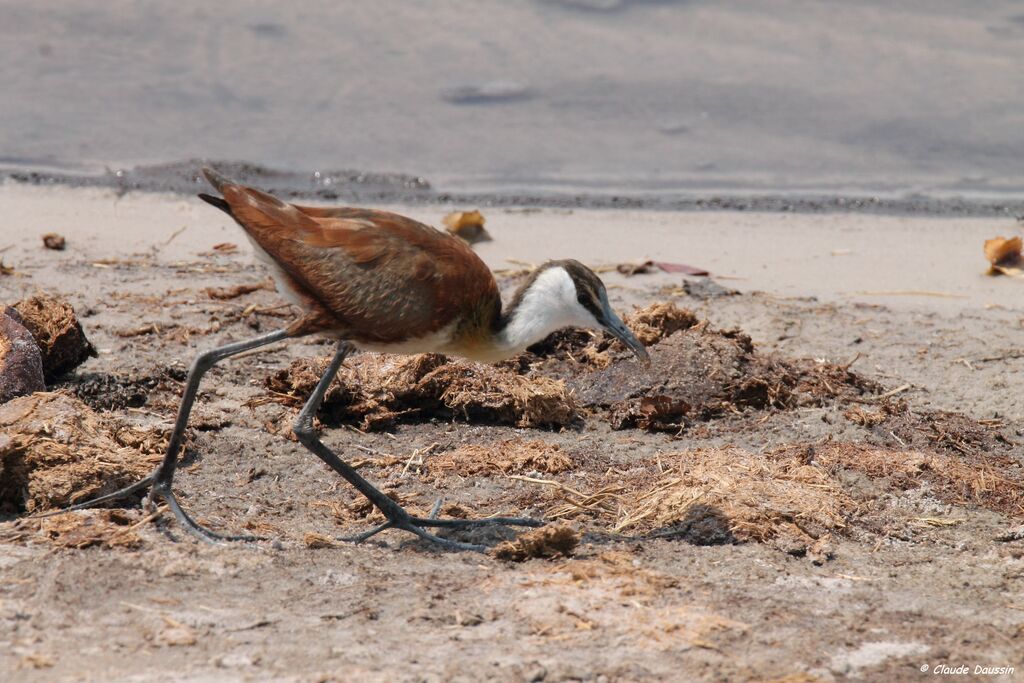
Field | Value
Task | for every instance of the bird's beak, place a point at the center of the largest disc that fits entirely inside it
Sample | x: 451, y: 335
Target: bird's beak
x: 615, y: 327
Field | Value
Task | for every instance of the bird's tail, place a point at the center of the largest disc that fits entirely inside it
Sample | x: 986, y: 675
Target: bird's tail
x: 219, y: 182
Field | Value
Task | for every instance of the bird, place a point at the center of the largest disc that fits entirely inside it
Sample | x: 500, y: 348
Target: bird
x: 377, y: 281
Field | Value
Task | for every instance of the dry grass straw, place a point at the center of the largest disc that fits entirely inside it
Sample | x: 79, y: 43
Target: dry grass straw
x: 791, y: 493
x: 956, y: 479
x: 761, y: 496
x: 55, y: 451
x: 513, y: 456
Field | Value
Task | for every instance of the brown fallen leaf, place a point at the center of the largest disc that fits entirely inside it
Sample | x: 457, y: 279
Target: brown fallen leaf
x: 681, y: 268
x: 469, y: 225
x: 315, y: 541
x: 1004, y: 255
x: 52, y: 240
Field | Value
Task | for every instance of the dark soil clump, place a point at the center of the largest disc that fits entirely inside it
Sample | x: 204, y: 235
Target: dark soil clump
x: 58, y: 333
x: 21, y: 364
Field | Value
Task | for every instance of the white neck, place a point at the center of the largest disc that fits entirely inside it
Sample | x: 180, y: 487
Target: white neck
x: 548, y: 305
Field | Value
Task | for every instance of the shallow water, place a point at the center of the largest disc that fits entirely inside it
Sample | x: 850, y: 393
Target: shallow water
x: 636, y: 98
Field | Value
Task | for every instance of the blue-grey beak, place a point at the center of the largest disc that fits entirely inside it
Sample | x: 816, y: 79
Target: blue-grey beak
x: 615, y: 327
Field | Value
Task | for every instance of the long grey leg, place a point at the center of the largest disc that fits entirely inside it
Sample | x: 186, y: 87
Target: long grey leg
x: 396, y: 515
x: 164, y: 474
x: 160, y: 480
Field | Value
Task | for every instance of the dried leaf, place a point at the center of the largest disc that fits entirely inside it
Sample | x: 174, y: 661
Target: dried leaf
x: 681, y: 268
x: 469, y: 225
x: 315, y: 541
x: 1005, y: 256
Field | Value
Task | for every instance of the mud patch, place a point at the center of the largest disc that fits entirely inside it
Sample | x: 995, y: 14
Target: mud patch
x: 111, y: 392
x: 58, y: 333
x: 55, y: 451
x: 380, y: 390
x: 898, y: 421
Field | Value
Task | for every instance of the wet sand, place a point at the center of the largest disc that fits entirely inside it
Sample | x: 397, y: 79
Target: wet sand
x: 915, y: 577
x: 615, y: 96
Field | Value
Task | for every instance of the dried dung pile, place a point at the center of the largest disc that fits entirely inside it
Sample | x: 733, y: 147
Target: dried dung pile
x: 793, y: 497
x: 697, y: 373
x: 929, y: 429
x: 21, y: 364
x: 991, y: 481
x: 513, y: 456
x: 661, y: 319
x: 53, y: 324
x: 702, y: 374
x: 117, y: 391
x: 546, y: 542
x: 714, y: 496
x: 762, y: 497
x: 112, y: 528
x: 379, y: 390
x: 55, y: 451
x: 650, y: 324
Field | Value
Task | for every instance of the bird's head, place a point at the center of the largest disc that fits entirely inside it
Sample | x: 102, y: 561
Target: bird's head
x: 568, y: 294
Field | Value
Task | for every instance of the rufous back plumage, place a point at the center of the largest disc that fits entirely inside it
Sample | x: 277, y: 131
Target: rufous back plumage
x: 366, y: 275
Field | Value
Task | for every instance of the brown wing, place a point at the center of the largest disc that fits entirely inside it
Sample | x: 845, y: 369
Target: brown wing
x: 384, y: 277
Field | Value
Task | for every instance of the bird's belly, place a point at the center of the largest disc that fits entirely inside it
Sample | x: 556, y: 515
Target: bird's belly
x: 435, y: 342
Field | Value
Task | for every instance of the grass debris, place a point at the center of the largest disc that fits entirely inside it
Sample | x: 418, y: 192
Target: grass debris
x: 513, y: 456
x: 55, y: 451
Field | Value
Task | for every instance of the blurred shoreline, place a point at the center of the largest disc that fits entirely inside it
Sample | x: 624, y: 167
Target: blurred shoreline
x: 807, y: 105
x: 359, y: 187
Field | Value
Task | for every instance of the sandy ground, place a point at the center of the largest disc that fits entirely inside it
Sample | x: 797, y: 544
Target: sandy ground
x: 914, y: 579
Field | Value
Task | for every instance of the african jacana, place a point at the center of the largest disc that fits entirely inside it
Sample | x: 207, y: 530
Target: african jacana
x: 378, y: 281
